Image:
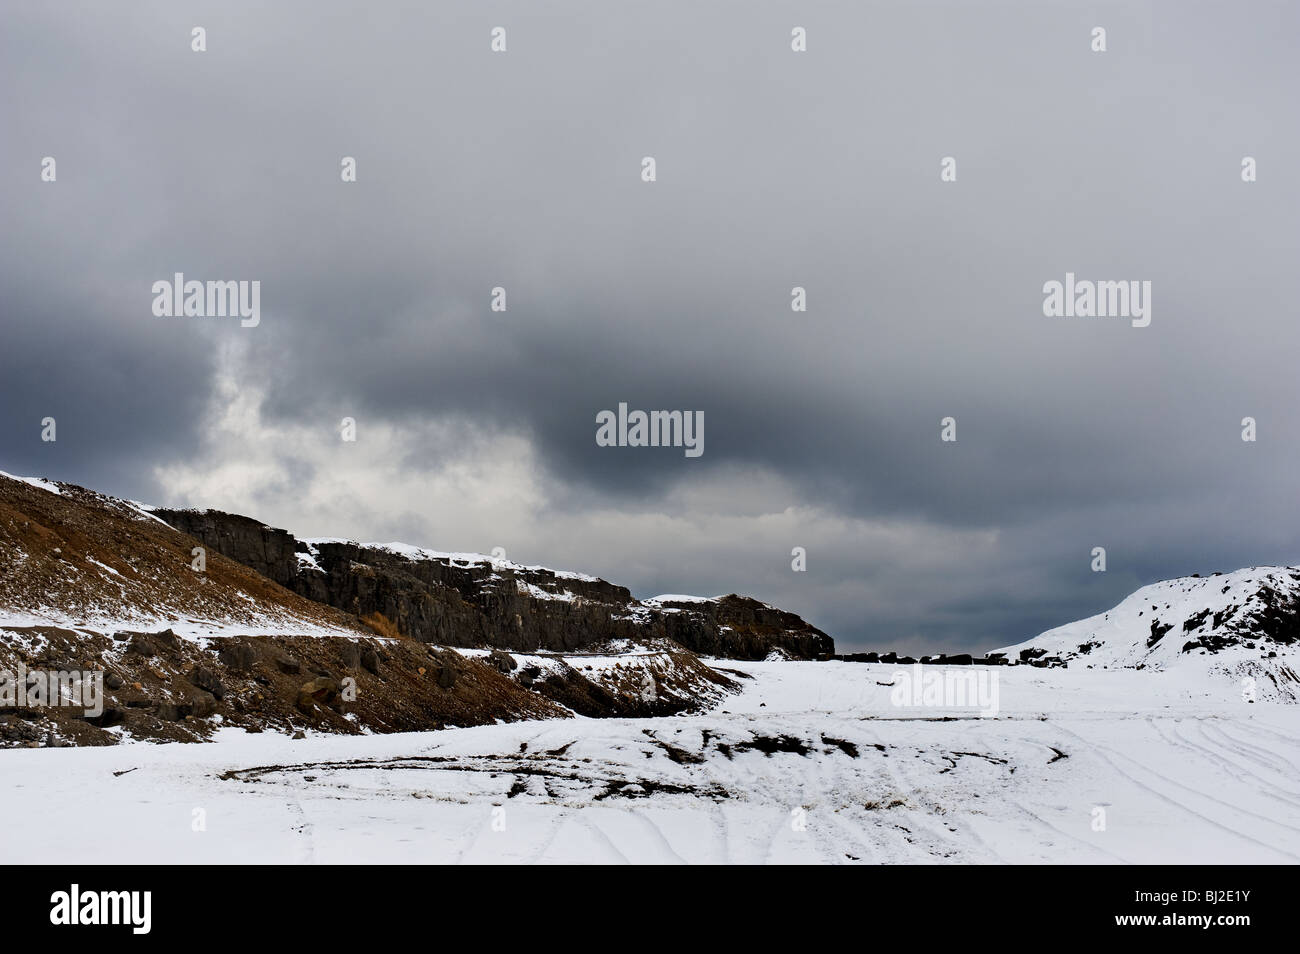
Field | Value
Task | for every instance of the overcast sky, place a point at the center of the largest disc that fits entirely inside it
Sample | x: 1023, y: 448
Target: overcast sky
x: 476, y: 429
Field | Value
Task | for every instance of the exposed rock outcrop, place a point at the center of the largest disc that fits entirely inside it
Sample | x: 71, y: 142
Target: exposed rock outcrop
x: 471, y: 600
x: 184, y: 690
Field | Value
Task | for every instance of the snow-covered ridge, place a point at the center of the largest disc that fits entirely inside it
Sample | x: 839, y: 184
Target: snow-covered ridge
x: 678, y: 602
x: 411, y: 552
x: 36, y: 482
x: 133, y: 507
x: 1244, y: 625
x: 309, y: 558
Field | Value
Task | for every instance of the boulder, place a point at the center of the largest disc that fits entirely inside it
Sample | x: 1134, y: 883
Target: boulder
x: 201, y: 704
x: 288, y: 665
x: 141, y: 646
x: 236, y: 655
x: 111, y: 716
x: 209, y: 681
x: 321, y: 692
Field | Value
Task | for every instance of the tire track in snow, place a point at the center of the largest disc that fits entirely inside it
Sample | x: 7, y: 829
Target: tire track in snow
x: 619, y: 857
x: 1065, y: 834
x: 1102, y: 753
x: 1215, y: 752
x: 1262, y: 757
x: 1261, y: 726
x: 657, y: 833
x: 557, y: 823
x: 922, y: 826
x: 306, y: 828
x: 855, y: 836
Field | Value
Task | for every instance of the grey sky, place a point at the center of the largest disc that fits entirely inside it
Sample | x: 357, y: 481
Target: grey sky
x: 821, y: 169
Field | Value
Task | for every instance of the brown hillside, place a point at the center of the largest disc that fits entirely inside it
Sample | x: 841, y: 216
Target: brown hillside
x: 80, y: 557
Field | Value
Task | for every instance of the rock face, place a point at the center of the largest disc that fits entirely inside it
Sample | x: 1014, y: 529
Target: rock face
x: 469, y: 600
x: 259, y: 683
x: 739, y: 627
x: 264, y: 549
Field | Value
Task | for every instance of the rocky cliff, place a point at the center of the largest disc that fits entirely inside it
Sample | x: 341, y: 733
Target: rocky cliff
x: 472, y: 600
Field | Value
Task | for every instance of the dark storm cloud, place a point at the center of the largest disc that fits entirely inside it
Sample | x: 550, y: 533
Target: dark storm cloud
x: 775, y: 169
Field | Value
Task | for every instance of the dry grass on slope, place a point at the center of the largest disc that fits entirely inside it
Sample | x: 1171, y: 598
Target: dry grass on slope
x: 82, y: 556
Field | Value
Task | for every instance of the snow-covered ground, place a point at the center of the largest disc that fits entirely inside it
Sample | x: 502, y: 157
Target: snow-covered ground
x: 811, y: 763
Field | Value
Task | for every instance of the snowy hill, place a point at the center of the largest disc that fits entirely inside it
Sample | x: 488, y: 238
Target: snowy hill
x: 1244, y: 624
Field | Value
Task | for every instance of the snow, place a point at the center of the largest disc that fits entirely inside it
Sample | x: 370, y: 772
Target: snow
x: 35, y: 482
x: 536, y: 592
x: 307, y: 561
x: 677, y: 598
x: 255, y: 623
x: 412, y: 552
x: 102, y: 566
x: 591, y: 664
x: 146, y: 510
x: 1180, y: 770
x: 1120, y: 636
